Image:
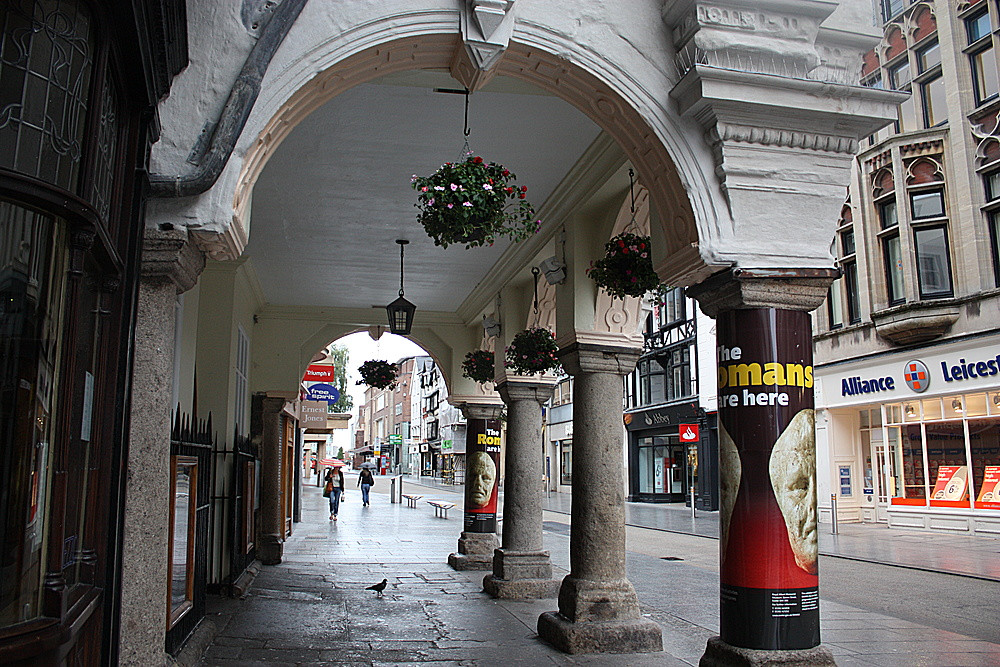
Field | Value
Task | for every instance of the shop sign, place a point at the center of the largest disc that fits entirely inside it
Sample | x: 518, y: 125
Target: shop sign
x: 318, y: 373
x: 960, y: 368
x: 649, y: 419
x: 312, y: 414
x: 447, y: 445
x: 424, y: 447
x: 687, y: 432
x: 322, y: 391
x: 395, y: 439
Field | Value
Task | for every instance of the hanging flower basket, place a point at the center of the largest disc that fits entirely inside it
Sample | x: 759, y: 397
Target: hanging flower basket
x: 473, y: 202
x: 378, y: 373
x: 532, y: 351
x: 478, y: 366
x: 626, y: 268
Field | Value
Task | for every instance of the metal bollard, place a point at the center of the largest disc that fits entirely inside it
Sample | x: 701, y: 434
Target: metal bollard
x: 400, y: 489
x: 833, y: 513
x: 392, y: 490
x: 693, y: 514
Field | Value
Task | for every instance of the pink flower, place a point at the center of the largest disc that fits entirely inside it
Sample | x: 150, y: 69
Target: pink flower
x: 451, y: 206
x: 454, y: 187
x: 487, y: 186
x: 467, y: 204
x: 439, y: 187
x: 430, y: 202
x: 423, y: 189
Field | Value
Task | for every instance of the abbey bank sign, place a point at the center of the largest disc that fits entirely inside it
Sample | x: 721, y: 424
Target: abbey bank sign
x: 929, y: 372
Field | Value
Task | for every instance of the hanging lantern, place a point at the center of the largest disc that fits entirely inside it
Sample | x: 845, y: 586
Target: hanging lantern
x: 400, y: 311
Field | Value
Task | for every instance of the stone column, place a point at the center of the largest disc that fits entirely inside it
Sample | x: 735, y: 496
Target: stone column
x: 170, y: 266
x: 475, y: 550
x: 769, y: 611
x: 521, y: 568
x: 598, y: 607
x: 266, y: 428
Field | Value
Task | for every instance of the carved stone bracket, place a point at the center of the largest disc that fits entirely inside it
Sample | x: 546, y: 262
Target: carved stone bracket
x: 169, y: 253
x: 790, y: 289
x: 487, y: 26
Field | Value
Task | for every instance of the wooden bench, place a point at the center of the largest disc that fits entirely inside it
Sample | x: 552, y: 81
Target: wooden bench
x: 411, y: 501
x: 440, y: 507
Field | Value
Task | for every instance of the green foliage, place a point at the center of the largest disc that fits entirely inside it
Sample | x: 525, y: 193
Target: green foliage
x: 340, y: 453
x: 626, y: 268
x: 478, y: 366
x: 341, y: 358
x: 532, y: 351
x: 473, y: 202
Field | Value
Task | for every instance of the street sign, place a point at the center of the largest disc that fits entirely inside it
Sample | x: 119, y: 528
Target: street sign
x: 395, y: 439
x: 318, y: 373
x: 687, y: 432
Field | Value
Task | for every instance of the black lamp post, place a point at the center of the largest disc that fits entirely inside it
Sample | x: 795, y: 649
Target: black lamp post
x: 400, y: 311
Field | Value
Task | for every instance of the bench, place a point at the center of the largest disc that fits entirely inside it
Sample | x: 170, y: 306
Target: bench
x: 440, y: 507
x: 411, y: 501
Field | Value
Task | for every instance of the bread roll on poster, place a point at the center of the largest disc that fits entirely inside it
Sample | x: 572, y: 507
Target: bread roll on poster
x: 792, y: 470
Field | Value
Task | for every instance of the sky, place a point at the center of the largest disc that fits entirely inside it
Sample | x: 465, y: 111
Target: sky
x: 362, y: 348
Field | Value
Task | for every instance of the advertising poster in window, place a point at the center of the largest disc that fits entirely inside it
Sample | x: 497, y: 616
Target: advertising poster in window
x: 952, y: 484
x: 482, y: 472
x: 989, y: 493
x: 767, y: 451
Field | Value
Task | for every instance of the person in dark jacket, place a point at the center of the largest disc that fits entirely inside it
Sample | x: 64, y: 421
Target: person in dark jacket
x: 365, y: 481
x: 335, y: 476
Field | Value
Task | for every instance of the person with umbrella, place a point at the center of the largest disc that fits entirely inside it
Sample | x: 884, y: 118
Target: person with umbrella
x: 334, y: 488
x: 365, y: 480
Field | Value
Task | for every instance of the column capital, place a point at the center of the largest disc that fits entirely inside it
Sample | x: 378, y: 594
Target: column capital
x: 740, y: 289
x: 169, y: 253
x: 481, y: 410
x: 579, y: 358
x: 526, y: 390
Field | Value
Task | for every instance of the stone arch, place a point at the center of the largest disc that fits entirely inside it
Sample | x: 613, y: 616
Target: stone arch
x: 668, y: 153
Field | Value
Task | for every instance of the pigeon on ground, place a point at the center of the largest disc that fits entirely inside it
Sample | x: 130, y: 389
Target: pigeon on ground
x: 378, y: 588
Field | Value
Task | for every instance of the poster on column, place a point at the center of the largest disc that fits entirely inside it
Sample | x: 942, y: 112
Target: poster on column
x: 482, y: 472
x: 767, y: 461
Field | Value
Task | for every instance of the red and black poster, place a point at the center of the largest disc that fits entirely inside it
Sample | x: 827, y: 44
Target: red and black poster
x: 482, y: 470
x: 767, y: 468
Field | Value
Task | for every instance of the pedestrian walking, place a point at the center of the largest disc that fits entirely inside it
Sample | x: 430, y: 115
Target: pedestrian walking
x: 334, y: 489
x: 366, y: 480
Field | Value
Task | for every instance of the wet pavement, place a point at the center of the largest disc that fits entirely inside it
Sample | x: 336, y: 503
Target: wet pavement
x: 313, y: 608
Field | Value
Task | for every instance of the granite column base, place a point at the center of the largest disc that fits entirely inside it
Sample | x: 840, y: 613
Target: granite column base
x: 599, y: 617
x: 475, y: 551
x: 720, y: 654
x: 521, y: 575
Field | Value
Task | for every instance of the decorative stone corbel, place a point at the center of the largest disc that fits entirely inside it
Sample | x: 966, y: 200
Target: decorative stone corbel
x: 486, y: 26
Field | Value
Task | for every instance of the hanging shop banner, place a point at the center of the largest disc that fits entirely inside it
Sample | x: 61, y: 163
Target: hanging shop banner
x: 321, y: 391
x: 318, y: 373
x: 989, y: 493
x: 312, y: 414
x: 767, y: 460
x: 482, y: 470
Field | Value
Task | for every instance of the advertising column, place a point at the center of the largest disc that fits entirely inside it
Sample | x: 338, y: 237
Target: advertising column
x: 481, y: 475
x: 767, y: 455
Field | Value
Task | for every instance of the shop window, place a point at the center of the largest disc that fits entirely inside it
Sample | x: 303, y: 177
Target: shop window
x: 46, y: 71
x: 180, y: 564
x: 565, y: 461
x: 32, y: 316
x: 933, y: 263
x: 661, y: 466
x: 947, y: 467
x: 911, y: 487
x: 984, y: 447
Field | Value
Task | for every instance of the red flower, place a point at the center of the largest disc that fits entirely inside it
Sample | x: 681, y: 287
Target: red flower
x: 521, y: 196
x: 508, y: 190
x: 621, y: 244
x: 506, y: 173
x: 477, y: 160
x: 524, y: 188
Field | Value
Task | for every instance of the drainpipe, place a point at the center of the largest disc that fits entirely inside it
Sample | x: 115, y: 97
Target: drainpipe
x: 235, y: 113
